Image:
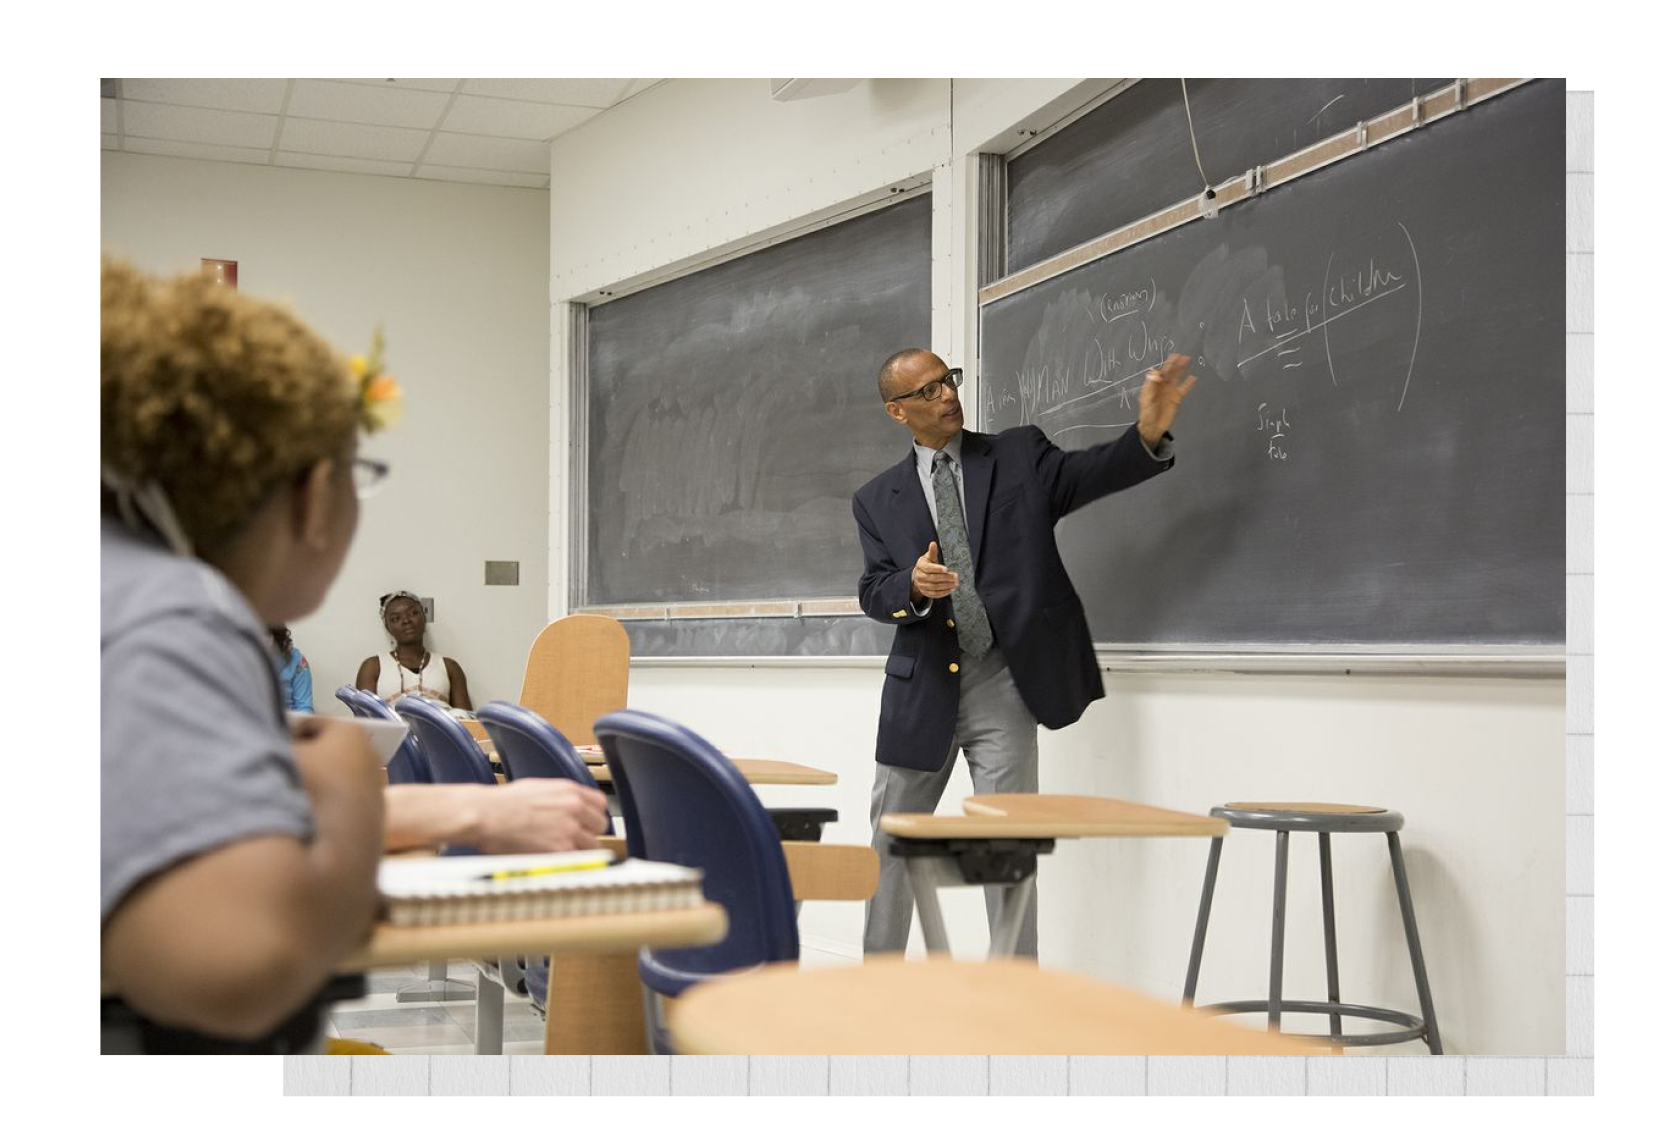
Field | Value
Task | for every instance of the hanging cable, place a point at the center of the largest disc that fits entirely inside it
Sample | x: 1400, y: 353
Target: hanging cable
x: 1187, y: 103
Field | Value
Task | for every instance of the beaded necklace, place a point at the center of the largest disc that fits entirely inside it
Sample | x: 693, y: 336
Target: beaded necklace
x: 427, y: 656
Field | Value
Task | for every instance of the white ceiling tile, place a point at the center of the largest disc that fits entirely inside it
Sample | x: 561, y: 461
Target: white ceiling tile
x: 492, y: 154
x: 198, y: 125
x: 187, y: 150
x: 228, y: 95
x: 475, y: 175
x: 638, y: 86
x: 340, y: 163
x: 109, y: 143
x: 321, y: 138
x: 583, y: 93
x: 108, y: 115
x: 418, y: 85
x: 542, y: 121
x: 362, y: 103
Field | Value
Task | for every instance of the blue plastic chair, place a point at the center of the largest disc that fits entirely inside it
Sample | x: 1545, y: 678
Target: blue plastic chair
x: 454, y: 757
x: 528, y: 745
x: 684, y: 802
x: 409, y: 765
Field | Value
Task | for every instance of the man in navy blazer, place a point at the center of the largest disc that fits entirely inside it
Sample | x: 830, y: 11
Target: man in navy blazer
x: 959, y: 555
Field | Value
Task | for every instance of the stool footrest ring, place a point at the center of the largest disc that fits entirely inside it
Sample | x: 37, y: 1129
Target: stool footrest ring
x: 1415, y: 1025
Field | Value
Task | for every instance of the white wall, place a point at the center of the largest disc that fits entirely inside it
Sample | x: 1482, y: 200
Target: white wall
x: 1477, y: 766
x: 457, y: 275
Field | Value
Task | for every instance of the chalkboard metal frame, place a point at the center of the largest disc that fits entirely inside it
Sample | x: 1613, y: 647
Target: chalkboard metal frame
x: 1363, y: 137
x: 1514, y: 660
x: 793, y: 608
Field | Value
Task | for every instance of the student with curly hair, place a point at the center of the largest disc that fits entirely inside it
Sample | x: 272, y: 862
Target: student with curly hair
x: 238, y: 858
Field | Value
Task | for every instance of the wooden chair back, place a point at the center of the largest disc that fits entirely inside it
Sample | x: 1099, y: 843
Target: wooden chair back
x: 577, y: 671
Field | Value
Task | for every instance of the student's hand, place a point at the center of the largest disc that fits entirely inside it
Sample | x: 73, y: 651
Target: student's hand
x: 931, y: 579
x: 336, y: 760
x: 539, y: 815
x: 1160, y: 398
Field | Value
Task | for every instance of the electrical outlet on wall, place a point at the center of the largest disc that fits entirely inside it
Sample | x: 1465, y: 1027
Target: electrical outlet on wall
x: 428, y: 608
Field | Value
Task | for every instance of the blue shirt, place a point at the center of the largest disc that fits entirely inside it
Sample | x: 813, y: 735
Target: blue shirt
x: 295, y: 682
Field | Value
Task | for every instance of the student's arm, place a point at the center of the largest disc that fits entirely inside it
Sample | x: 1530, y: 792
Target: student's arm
x: 301, y: 687
x: 459, y: 686
x: 525, y: 816
x: 368, y: 672
x: 234, y: 940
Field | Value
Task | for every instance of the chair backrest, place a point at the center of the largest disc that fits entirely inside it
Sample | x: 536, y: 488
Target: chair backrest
x: 684, y: 802
x: 577, y: 670
x: 349, y: 696
x: 409, y: 764
x: 454, y: 757
x: 528, y: 745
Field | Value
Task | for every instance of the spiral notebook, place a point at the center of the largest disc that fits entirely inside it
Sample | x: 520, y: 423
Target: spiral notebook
x: 442, y: 890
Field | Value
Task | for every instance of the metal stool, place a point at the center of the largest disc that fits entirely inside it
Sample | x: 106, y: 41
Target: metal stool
x: 1324, y: 819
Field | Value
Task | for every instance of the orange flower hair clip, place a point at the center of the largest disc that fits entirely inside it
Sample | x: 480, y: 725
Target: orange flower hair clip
x: 379, y: 394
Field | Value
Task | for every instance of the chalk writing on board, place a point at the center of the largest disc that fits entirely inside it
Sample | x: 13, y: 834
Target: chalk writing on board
x: 1277, y: 427
x: 1243, y: 316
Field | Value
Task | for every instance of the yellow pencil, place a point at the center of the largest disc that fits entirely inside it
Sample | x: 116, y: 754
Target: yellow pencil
x: 552, y: 869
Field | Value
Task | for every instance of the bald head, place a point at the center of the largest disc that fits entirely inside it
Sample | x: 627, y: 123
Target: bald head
x: 890, y: 383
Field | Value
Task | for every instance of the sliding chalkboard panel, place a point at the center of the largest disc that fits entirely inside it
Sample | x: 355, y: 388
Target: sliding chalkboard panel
x: 733, y: 412
x: 1133, y: 155
x: 1374, y: 451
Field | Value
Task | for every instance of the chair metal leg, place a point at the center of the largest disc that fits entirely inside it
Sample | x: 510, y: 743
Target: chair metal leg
x: 1404, y: 892
x: 1004, y: 937
x: 1276, y: 963
x: 1330, y: 914
x: 1197, y: 956
x: 924, y: 882
x: 436, y: 988
x: 489, y: 1015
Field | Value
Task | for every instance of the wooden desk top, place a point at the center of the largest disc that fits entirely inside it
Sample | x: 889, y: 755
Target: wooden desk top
x: 1013, y: 816
x: 684, y: 927
x: 888, y: 1005
x: 754, y: 772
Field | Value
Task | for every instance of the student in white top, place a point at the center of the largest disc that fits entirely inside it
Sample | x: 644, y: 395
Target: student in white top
x: 410, y: 669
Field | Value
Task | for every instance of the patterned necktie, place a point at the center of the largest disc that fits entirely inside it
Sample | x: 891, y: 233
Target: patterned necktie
x: 972, y: 621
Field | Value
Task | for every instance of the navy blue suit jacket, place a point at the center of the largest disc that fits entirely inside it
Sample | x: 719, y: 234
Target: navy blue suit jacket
x: 1018, y: 485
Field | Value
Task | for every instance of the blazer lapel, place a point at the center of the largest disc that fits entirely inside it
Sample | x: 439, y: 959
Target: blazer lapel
x: 978, y: 468
x: 908, y: 502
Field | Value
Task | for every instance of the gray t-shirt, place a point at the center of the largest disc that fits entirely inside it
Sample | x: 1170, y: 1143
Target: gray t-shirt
x: 195, y: 754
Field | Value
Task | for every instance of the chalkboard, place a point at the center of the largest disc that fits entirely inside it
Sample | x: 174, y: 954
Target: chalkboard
x: 1133, y: 155
x: 1374, y: 451
x: 733, y: 412
x: 760, y: 637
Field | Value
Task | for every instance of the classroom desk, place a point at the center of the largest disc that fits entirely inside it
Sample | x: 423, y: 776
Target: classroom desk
x: 889, y: 1005
x: 685, y: 927
x: 998, y: 840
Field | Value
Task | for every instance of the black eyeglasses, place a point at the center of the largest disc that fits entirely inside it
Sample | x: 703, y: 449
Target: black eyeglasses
x: 931, y: 390
x: 368, y: 476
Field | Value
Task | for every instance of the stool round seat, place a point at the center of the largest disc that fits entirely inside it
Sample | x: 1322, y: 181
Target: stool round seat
x: 1310, y: 817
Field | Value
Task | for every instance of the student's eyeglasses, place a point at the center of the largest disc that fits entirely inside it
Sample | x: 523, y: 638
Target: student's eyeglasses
x: 368, y: 476
x: 931, y: 390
